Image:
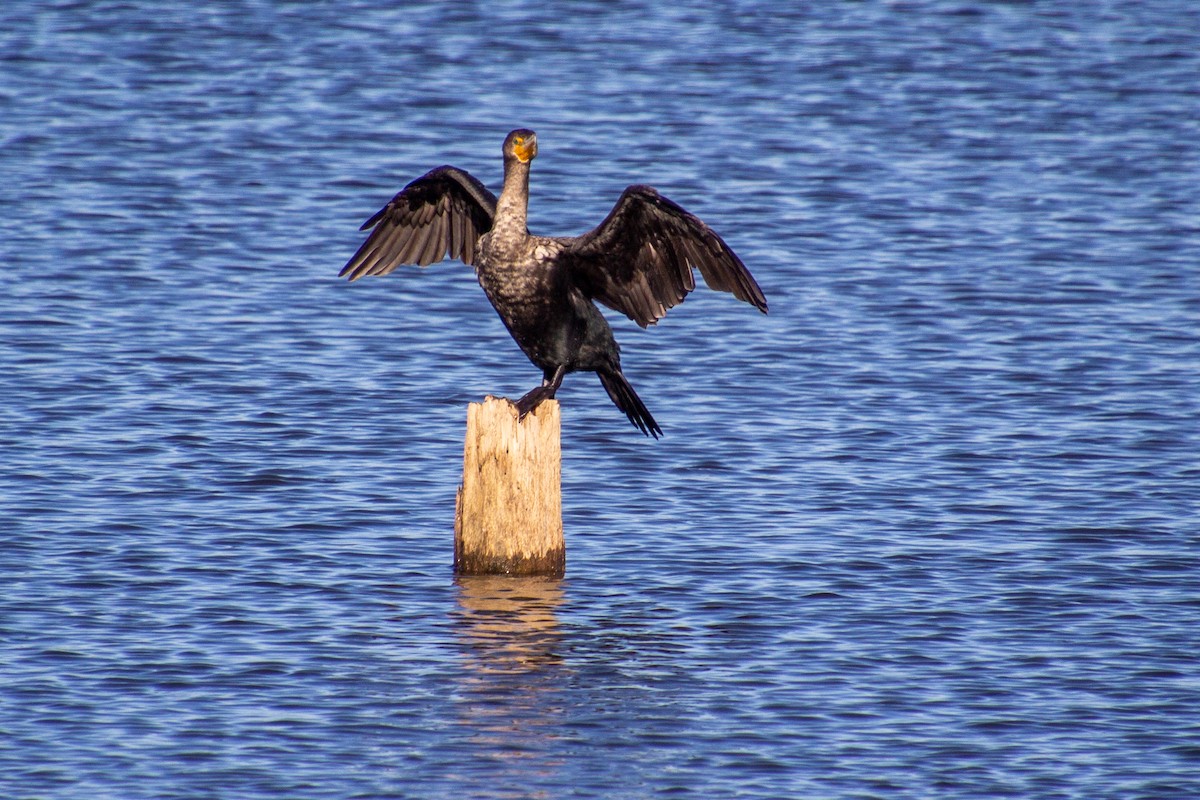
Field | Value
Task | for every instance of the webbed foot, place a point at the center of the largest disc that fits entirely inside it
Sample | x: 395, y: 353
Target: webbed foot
x: 533, y: 399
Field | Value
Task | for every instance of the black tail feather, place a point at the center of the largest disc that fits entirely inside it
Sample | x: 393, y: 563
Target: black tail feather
x: 626, y: 399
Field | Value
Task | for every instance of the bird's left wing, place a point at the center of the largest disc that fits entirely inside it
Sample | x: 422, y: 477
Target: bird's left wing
x: 639, y: 260
x: 444, y: 211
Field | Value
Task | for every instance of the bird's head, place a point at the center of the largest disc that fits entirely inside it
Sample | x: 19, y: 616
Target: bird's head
x: 521, y: 144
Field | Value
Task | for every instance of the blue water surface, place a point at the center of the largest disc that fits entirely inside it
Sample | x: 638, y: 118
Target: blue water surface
x: 931, y: 529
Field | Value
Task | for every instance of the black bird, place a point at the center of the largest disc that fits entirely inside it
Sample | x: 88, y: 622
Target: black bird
x: 638, y: 261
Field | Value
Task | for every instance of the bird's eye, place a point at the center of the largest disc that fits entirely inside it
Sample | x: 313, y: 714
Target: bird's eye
x: 519, y: 140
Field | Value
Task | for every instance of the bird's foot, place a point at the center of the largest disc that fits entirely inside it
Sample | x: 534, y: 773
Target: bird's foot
x: 532, y: 400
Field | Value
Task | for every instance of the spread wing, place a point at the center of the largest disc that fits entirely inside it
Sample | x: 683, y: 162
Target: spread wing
x: 639, y: 260
x: 444, y: 211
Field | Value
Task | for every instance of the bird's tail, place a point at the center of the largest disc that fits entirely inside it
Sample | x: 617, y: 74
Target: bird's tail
x: 626, y: 399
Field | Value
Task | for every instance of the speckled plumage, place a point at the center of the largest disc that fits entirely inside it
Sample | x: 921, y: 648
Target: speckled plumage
x: 639, y: 261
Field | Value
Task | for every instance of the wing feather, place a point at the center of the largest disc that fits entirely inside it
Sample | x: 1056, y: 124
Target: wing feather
x: 415, y: 247
x: 444, y: 212
x: 458, y: 232
x: 639, y: 260
x: 469, y: 241
x: 390, y: 249
x: 434, y: 246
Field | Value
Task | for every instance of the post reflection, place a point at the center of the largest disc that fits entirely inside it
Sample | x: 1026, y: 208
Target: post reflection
x: 509, y: 624
x: 509, y: 702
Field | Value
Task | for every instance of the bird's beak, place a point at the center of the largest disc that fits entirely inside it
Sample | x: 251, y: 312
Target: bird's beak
x: 526, y: 150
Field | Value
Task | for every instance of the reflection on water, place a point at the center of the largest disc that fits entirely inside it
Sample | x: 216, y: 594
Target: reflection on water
x: 508, y: 624
x: 509, y: 702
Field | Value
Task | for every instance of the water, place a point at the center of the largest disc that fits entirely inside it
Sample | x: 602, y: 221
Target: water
x: 929, y: 529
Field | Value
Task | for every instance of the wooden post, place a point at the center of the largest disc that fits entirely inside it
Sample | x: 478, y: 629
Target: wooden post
x: 508, y: 514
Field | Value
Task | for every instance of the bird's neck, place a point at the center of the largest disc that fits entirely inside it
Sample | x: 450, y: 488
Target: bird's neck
x: 513, y: 205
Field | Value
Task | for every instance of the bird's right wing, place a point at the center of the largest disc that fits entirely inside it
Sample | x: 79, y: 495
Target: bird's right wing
x: 444, y: 211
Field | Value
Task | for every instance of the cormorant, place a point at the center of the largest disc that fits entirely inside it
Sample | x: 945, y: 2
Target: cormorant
x: 638, y: 261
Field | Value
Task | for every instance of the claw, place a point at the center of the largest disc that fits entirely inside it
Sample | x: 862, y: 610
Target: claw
x: 532, y: 400
x: 534, y: 397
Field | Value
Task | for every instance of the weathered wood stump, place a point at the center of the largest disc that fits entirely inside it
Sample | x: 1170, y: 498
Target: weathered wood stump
x: 508, y: 515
